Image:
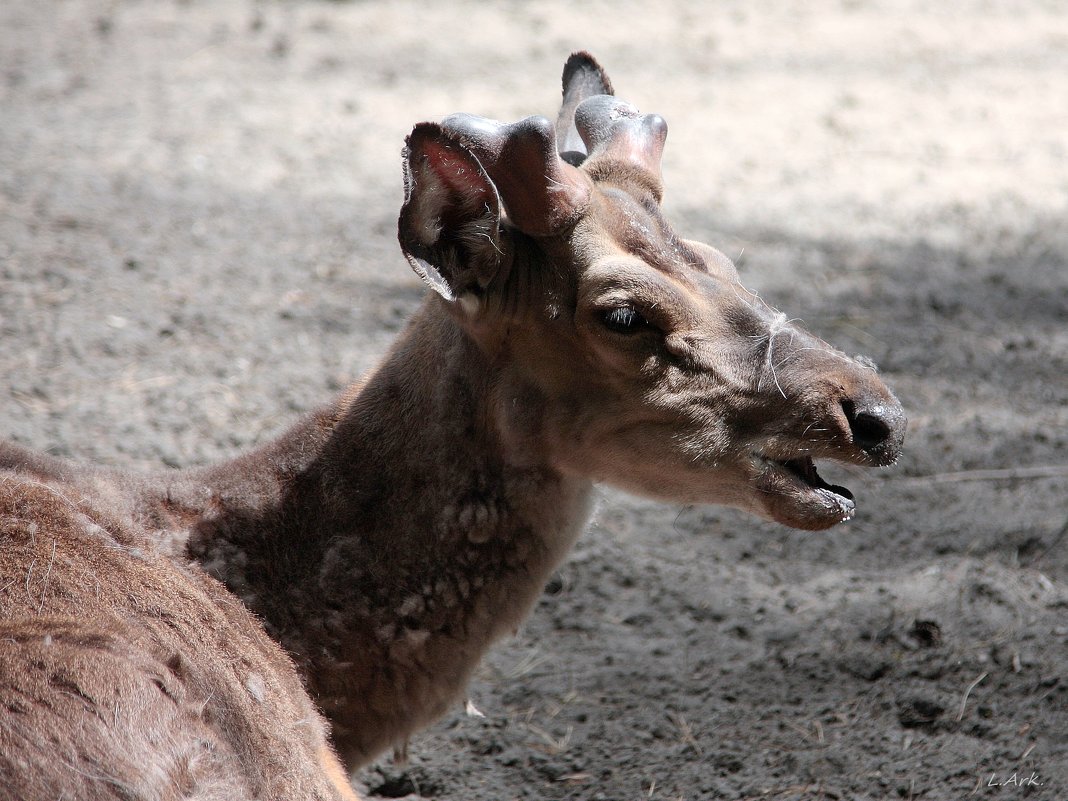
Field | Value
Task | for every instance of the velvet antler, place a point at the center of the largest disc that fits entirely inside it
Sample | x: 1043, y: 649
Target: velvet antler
x: 616, y: 134
x: 542, y: 193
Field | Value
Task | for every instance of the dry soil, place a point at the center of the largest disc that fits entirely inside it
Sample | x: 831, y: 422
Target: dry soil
x: 197, y: 215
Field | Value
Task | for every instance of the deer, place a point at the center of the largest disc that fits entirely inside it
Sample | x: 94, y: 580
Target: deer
x: 263, y: 627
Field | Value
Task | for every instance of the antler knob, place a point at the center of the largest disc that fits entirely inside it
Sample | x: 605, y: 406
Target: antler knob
x: 542, y: 193
x: 614, y: 131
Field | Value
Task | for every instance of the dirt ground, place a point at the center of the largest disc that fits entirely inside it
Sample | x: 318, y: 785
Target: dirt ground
x: 197, y: 242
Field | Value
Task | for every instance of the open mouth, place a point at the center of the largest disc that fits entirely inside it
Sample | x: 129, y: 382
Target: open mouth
x: 820, y: 503
x: 805, y: 470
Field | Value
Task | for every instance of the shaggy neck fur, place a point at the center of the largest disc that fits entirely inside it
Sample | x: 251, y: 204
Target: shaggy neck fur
x: 387, y: 540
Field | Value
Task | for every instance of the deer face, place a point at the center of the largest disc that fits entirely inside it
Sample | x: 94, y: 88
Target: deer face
x: 623, y: 353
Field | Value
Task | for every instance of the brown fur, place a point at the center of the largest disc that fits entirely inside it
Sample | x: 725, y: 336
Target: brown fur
x: 387, y: 540
x: 124, y: 674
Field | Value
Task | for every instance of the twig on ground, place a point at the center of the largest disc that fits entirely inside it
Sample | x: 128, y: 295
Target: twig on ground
x: 967, y: 692
x: 992, y: 474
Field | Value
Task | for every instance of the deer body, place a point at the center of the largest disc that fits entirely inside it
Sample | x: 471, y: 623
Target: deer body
x: 386, y: 585
x: 388, y: 539
x: 126, y: 674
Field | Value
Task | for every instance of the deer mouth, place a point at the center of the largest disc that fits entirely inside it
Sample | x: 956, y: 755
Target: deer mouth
x: 797, y: 495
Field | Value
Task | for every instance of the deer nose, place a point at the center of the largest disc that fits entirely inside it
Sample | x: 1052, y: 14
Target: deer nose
x: 877, y: 427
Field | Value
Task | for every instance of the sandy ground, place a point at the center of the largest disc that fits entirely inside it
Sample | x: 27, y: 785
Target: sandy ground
x: 197, y: 216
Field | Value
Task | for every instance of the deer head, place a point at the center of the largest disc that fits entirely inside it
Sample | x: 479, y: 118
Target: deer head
x: 617, y: 350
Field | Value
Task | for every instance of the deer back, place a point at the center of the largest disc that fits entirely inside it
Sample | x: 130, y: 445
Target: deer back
x: 124, y: 674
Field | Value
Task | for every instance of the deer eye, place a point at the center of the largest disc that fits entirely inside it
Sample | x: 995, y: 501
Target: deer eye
x: 624, y: 320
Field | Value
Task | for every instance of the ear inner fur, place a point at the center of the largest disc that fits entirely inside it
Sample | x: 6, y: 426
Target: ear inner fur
x: 449, y: 225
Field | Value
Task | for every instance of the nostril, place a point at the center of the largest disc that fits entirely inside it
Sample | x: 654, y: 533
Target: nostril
x: 869, y: 428
x: 869, y: 431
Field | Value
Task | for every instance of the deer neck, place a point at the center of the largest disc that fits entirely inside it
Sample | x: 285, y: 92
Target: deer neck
x: 402, y: 525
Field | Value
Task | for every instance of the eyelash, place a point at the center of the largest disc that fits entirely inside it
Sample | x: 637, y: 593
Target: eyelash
x: 624, y: 320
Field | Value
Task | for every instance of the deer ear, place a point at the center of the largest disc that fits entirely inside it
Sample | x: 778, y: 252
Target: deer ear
x: 583, y: 78
x: 449, y: 227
